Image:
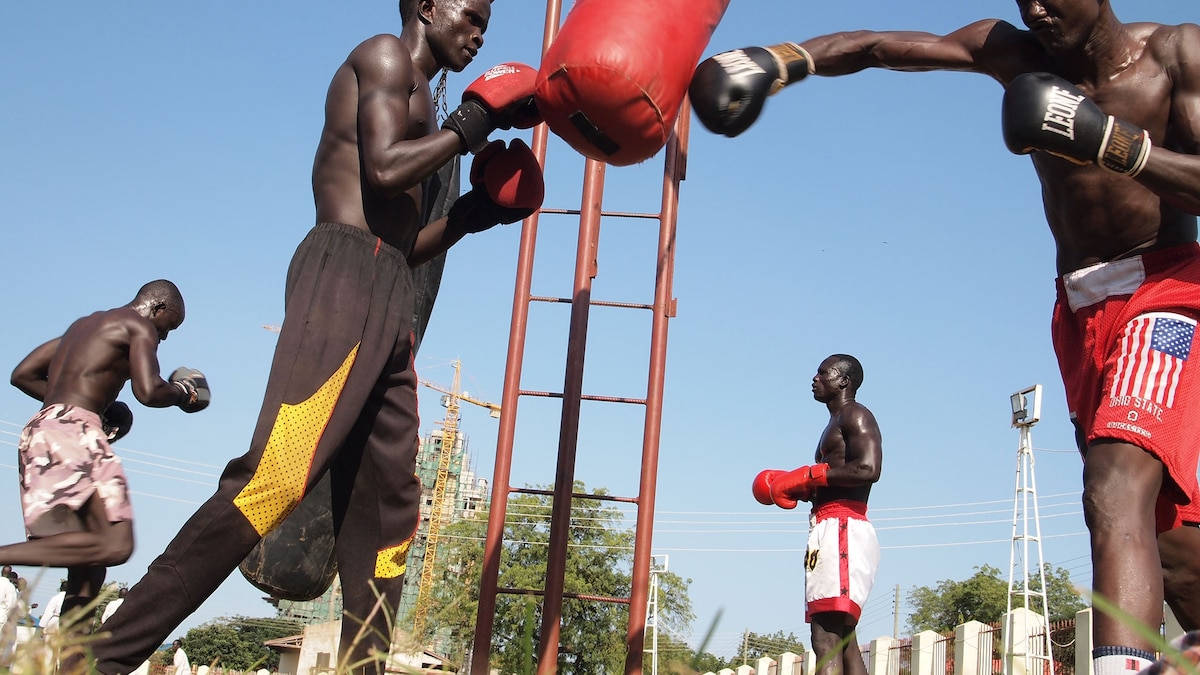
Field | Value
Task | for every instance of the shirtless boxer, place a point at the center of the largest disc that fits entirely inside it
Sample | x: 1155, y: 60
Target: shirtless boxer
x: 341, y: 395
x: 73, y: 491
x: 843, y: 551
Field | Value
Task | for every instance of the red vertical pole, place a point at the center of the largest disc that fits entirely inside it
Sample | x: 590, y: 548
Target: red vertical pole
x: 501, y: 473
x: 674, y: 169
x: 568, y: 435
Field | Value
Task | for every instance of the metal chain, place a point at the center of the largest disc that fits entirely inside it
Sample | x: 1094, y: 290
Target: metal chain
x: 439, y: 98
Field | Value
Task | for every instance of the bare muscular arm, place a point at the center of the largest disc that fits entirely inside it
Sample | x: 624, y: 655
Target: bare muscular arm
x: 148, y: 386
x: 392, y: 162
x: 33, y: 372
x: 1173, y: 169
x: 990, y: 47
x: 434, y: 239
x: 864, y: 450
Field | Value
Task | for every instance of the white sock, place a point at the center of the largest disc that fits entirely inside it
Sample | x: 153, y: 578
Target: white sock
x: 1120, y: 660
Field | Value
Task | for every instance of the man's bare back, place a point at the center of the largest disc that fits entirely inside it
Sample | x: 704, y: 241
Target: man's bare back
x: 89, y: 364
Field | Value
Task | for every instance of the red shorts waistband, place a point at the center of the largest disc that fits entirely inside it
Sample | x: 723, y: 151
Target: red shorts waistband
x: 841, y: 508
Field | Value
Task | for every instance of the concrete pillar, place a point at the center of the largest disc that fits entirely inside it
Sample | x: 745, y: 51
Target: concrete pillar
x: 1083, y: 642
x: 745, y: 670
x: 766, y: 666
x: 1019, y: 625
x: 790, y: 664
x: 922, y: 654
x: 966, y: 647
x: 810, y: 662
x: 725, y: 671
x: 879, y: 655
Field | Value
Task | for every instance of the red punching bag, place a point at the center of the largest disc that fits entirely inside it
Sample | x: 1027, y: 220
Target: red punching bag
x: 612, y: 81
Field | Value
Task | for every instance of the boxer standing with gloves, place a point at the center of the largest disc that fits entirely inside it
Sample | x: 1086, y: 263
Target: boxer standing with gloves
x: 74, y: 494
x: 1110, y: 113
x: 843, y: 551
x: 341, y: 395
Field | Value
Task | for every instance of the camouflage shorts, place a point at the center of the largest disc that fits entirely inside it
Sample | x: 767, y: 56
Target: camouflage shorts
x: 64, y: 459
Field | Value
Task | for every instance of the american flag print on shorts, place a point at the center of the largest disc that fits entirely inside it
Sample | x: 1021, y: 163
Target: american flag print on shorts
x: 1153, y: 350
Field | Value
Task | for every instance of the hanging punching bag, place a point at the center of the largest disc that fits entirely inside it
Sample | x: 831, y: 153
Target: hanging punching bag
x: 612, y: 82
x: 296, y: 560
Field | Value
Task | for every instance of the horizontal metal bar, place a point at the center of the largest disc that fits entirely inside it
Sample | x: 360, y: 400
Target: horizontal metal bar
x: 613, y: 214
x: 576, y: 596
x: 594, y: 303
x: 576, y: 495
x: 585, y: 397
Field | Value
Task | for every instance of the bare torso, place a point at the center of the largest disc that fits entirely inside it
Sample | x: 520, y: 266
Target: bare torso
x: 1096, y: 215
x: 91, y: 363
x: 341, y: 191
x: 837, y: 448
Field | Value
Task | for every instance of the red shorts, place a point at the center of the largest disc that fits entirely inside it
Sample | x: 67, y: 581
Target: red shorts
x: 1123, y: 332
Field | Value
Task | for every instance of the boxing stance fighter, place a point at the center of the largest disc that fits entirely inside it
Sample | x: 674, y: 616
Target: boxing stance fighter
x: 1110, y: 113
x: 73, y: 491
x: 843, y: 552
x: 341, y: 395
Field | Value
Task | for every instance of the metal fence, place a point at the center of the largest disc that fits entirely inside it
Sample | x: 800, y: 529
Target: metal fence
x: 943, y: 655
x: 900, y: 658
x: 990, y: 641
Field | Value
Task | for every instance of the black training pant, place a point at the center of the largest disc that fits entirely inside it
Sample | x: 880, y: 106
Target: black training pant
x: 341, y: 397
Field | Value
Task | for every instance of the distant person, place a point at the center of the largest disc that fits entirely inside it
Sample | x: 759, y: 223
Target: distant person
x: 50, y: 614
x: 843, y: 551
x: 180, y: 660
x: 112, y: 606
x: 73, y: 490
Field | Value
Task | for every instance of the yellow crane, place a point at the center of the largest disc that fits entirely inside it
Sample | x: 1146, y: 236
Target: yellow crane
x: 437, y: 512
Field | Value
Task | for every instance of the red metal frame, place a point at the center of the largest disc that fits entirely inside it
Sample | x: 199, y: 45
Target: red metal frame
x: 663, y: 308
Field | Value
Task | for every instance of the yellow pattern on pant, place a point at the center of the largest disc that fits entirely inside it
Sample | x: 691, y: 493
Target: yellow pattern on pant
x: 282, y: 474
x: 391, y: 562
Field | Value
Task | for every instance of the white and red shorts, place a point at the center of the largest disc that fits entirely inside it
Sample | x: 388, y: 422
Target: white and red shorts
x: 843, y: 555
x: 1124, y: 334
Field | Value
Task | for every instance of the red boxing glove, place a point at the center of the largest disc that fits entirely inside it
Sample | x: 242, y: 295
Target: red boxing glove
x: 506, y: 186
x: 511, y: 176
x: 761, y: 487
x: 798, y: 484
x: 501, y: 98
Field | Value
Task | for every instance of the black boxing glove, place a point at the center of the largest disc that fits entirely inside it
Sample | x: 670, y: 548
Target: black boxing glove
x: 728, y: 90
x: 116, y: 420
x: 193, y: 387
x: 1045, y: 112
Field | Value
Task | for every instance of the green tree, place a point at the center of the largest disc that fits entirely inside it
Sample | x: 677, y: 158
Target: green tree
x: 599, y: 555
x: 984, y: 597
x: 771, y: 644
x: 237, y: 642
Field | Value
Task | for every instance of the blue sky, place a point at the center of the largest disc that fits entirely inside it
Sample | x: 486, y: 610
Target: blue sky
x: 877, y: 214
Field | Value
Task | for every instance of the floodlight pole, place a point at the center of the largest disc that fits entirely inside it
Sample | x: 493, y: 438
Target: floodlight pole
x: 1025, y: 414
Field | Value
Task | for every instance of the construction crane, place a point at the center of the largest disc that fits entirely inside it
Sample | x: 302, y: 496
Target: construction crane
x: 437, y: 513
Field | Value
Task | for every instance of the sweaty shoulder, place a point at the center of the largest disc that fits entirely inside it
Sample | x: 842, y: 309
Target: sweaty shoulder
x: 1175, y: 47
x: 384, y: 57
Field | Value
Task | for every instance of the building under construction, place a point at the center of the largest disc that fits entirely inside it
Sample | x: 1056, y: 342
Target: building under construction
x: 466, y: 495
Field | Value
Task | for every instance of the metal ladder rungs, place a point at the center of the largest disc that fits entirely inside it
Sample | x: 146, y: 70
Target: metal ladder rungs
x: 585, y: 397
x: 593, y: 303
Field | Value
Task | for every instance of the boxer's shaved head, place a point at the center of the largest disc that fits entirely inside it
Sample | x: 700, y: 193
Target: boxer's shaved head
x: 849, y: 367
x: 408, y: 10
x: 160, y: 292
